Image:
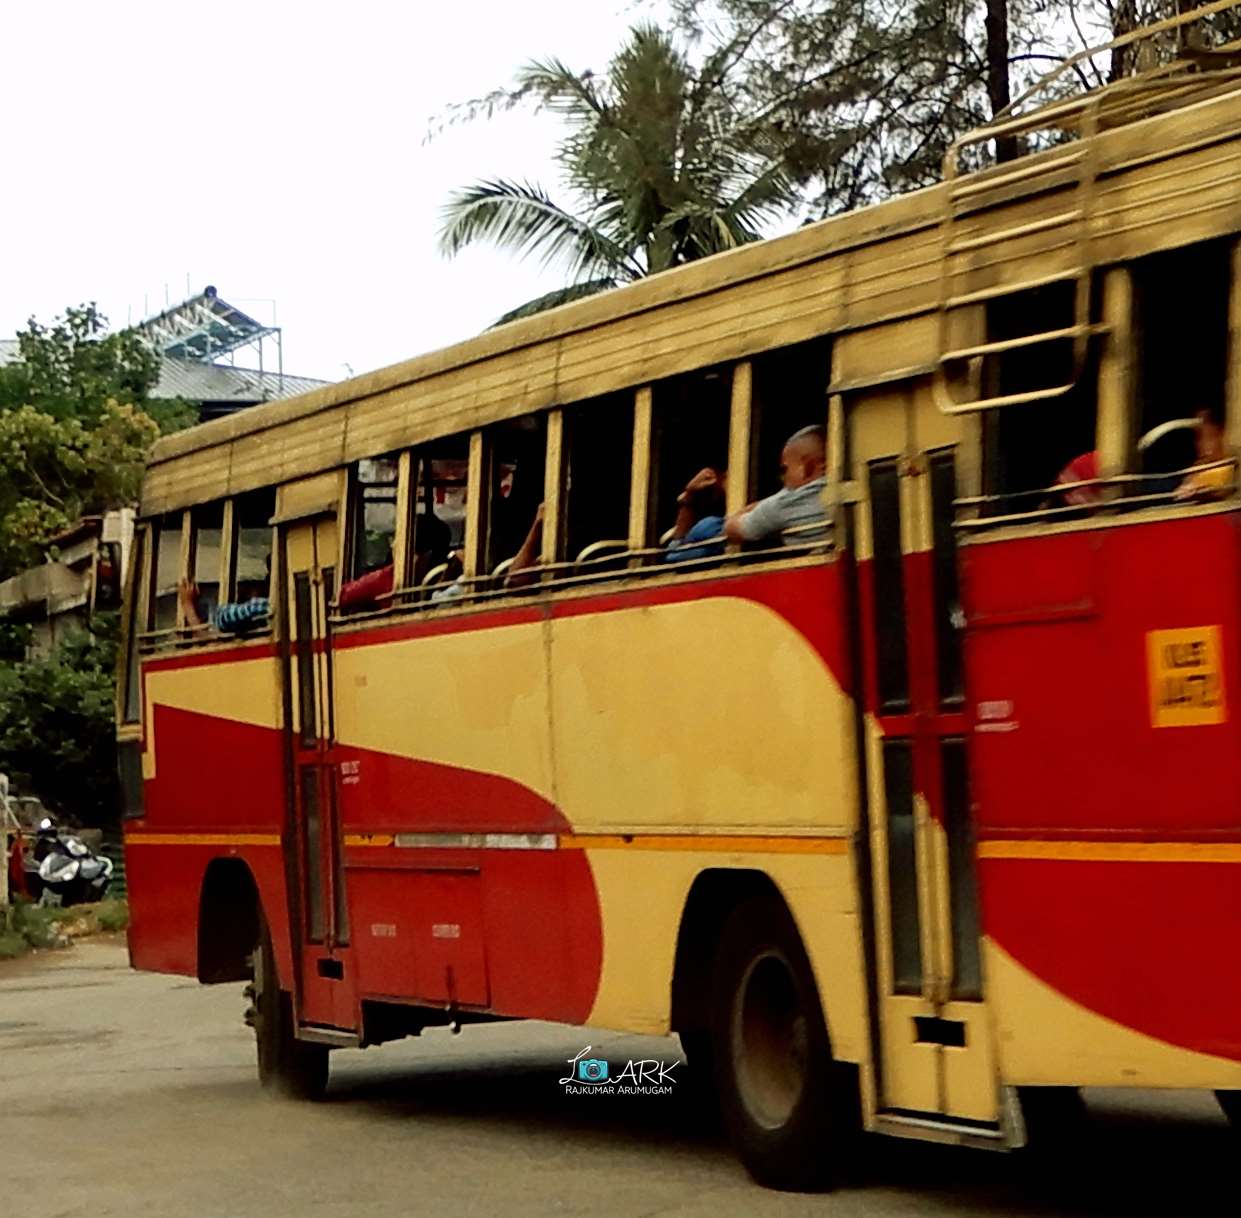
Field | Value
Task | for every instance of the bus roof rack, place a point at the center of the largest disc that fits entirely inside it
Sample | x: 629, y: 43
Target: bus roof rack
x: 1194, y: 73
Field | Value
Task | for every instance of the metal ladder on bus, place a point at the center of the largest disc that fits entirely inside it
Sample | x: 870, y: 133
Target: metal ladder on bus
x: 962, y: 252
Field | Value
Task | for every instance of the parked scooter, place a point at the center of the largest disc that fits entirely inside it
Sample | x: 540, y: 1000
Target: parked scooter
x: 62, y: 870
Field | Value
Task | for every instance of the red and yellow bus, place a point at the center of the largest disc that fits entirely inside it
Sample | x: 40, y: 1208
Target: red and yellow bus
x: 903, y: 824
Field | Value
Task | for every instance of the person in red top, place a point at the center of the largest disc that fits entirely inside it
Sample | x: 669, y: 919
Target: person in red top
x: 1084, y: 469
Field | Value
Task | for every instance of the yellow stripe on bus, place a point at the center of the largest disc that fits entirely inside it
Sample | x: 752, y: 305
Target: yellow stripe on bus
x: 202, y: 839
x: 1114, y: 852
x: 733, y: 844
x: 730, y: 843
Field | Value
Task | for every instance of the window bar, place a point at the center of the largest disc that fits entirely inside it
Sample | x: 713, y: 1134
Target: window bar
x: 186, y: 559
x: 640, y: 477
x: 553, y: 481
x: 401, y: 539
x: 477, y: 490
x: 739, y: 424
x: 1116, y: 405
x: 1232, y: 404
x: 228, y: 550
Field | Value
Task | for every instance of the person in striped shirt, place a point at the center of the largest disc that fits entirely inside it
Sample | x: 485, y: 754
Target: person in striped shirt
x: 233, y: 617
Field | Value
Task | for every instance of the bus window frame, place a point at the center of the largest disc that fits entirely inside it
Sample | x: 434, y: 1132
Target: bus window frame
x: 354, y: 514
x: 135, y: 599
x: 157, y: 530
x: 222, y: 591
x: 231, y: 550
x: 558, y: 573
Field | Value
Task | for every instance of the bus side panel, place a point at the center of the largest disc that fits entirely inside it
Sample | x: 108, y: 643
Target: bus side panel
x: 728, y: 718
x: 677, y: 720
x: 1108, y: 808
x: 213, y: 764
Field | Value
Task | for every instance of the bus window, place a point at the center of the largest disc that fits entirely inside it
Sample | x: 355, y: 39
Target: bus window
x: 789, y: 393
x: 690, y: 417
x: 516, y: 455
x: 1181, y: 328
x: 251, y: 566
x: 166, y: 572
x: 598, y: 444
x: 1028, y: 445
x: 372, y: 514
x: 207, y: 534
x: 437, y: 530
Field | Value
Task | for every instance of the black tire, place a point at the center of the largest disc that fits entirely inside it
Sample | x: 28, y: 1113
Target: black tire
x: 1230, y: 1102
x: 783, y: 1100
x: 699, y: 1076
x: 699, y: 1067
x: 287, y: 1066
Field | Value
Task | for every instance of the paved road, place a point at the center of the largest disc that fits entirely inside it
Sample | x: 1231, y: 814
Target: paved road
x: 130, y: 1094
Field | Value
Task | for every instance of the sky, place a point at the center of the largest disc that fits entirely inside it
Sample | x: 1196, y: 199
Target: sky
x: 276, y: 150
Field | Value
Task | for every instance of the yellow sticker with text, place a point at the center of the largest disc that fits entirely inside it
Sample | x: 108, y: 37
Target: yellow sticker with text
x: 1186, y: 677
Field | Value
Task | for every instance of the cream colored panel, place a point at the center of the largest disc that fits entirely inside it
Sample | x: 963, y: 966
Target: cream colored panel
x: 910, y: 1070
x: 245, y: 691
x: 881, y: 353
x: 476, y: 700
x: 310, y: 496
x: 1046, y: 1038
x: 971, y: 1075
x: 708, y: 714
x: 641, y: 919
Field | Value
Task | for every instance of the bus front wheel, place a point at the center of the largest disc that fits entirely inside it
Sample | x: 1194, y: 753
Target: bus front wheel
x: 780, y: 1092
x: 287, y: 1066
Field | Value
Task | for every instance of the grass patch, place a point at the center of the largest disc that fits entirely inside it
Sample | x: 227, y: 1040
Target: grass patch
x: 24, y: 926
x: 112, y: 916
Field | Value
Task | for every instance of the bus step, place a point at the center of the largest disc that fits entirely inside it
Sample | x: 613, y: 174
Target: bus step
x: 336, y: 1038
x: 935, y: 1127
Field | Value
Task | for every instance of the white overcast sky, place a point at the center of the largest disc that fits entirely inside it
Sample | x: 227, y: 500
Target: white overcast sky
x: 274, y: 149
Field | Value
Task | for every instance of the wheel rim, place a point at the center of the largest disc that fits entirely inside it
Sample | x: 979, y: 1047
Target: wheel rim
x: 769, y: 1036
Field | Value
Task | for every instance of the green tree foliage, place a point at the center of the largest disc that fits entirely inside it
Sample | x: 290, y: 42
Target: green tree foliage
x: 870, y: 96
x: 52, y: 471
x: 661, y: 167
x: 73, y: 367
x: 57, y: 727
x: 75, y: 428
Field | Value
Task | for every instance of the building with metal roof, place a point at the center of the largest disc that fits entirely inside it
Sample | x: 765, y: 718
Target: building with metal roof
x: 194, y: 339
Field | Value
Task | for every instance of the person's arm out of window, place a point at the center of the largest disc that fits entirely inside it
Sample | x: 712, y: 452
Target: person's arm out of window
x: 756, y: 522
x: 239, y: 616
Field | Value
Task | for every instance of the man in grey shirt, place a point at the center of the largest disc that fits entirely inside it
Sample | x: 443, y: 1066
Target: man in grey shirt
x: 803, y: 469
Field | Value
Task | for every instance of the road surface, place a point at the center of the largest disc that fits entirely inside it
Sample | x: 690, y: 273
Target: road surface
x: 130, y: 1094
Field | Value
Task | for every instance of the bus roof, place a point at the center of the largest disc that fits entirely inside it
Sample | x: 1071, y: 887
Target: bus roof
x: 874, y: 279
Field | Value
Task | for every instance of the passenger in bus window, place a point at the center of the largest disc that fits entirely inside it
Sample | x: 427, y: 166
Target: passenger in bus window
x: 528, y: 556
x: 450, y: 587
x: 700, y: 518
x: 1214, y: 467
x: 251, y: 609
x: 1079, y: 479
x: 798, y: 504
x: 365, y: 591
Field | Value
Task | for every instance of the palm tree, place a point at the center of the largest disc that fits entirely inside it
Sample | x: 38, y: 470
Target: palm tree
x: 665, y: 167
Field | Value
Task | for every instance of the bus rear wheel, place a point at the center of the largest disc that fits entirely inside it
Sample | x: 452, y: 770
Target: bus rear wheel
x: 287, y: 1066
x: 780, y: 1092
